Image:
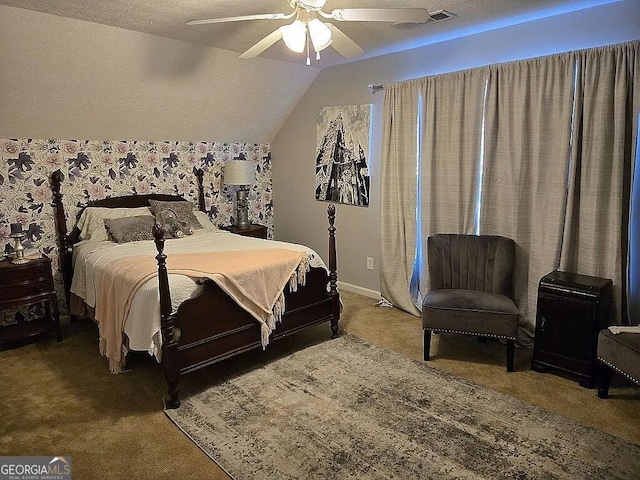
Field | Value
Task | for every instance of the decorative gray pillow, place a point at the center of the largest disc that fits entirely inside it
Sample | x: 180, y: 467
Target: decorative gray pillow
x: 130, y: 229
x: 172, y: 226
x: 183, y: 211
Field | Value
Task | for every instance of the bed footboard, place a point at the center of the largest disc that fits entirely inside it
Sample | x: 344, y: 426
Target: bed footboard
x: 191, y: 340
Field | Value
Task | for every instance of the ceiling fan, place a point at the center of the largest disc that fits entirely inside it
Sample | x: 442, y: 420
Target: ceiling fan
x: 309, y: 31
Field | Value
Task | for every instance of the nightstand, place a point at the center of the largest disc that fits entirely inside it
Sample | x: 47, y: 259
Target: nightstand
x: 27, y: 284
x: 254, y: 230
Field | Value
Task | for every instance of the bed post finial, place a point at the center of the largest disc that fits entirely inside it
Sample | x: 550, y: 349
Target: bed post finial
x: 333, y: 272
x: 200, y: 176
x: 169, y: 343
x: 61, y: 223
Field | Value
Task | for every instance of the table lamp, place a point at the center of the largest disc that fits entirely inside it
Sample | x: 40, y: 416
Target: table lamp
x: 240, y: 173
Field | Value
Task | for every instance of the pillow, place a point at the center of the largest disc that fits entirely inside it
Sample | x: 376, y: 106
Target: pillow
x: 130, y: 229
x: 204, y: 220
x: 183, y: 211
x: 91, y: 222
x: 173, y: 227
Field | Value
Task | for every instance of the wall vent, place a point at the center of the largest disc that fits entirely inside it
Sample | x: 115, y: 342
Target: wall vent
x: 435, y: 17
x: 441, y: 15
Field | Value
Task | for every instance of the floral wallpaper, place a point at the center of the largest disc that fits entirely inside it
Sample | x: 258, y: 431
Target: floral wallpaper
x: 105, y: 168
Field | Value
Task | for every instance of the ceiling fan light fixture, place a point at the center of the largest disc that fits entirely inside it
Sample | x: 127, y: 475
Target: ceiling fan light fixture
x: 308, y: 31
x: 320, y: 35
x: 295, y: 36
x: 308, y: 4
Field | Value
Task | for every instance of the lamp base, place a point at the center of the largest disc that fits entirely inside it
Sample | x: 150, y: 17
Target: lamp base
x: 18, y: 257
x: 242, y: 206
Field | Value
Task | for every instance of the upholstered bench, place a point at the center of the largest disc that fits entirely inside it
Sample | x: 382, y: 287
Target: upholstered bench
x: 619, y: 352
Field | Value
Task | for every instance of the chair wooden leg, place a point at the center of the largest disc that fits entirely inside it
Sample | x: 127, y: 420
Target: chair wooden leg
x: 427, y: 344
x: 511, y: 346
x: 604, y: 381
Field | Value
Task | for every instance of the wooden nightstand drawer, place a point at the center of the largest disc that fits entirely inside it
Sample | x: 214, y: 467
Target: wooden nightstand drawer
x: 27, y: 284
x: 26, y: 290
x: 25, y: 273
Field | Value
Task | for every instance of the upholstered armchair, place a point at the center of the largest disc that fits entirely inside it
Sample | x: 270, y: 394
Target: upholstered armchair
x: 620, y: 353
x: 470, y: 291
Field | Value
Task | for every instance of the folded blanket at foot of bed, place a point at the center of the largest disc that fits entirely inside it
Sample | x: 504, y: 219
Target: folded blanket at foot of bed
x: 255, y: 279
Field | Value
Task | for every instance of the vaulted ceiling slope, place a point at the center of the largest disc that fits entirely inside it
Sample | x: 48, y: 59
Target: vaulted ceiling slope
x: 68, y: 73
x: 64, y: 78
x: 167, y: 18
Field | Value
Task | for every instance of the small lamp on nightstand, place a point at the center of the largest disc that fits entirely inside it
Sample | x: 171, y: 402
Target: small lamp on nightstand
x: 242, y: 174
x: 17, y: 234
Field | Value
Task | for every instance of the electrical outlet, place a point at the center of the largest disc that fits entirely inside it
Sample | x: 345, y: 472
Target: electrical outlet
x: 369, y: 263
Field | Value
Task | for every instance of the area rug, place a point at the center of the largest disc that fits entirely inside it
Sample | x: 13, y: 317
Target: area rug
x: 345, y: 409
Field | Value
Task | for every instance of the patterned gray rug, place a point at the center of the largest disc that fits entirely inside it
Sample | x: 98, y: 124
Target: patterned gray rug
x: 345, y: 409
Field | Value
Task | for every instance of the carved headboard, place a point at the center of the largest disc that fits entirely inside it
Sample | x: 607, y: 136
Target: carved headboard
x: 66, y: 240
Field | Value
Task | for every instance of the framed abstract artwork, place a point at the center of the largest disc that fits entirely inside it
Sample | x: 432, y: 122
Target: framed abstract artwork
x: 342, y: 152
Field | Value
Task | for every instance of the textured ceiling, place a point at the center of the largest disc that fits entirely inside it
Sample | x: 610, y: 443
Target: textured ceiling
x: 166, y: 18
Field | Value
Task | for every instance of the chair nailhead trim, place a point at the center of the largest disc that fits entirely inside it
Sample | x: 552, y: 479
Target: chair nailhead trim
x: 623, y: 373
x: 470, y: 333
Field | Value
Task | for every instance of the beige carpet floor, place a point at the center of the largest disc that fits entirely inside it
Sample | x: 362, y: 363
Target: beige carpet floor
x: 60, y: 399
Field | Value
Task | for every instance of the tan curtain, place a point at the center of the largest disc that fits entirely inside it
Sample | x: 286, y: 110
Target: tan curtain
x: 597, y: 218
x: 527, y: 144
x: 450, y: 155
x: 556, y: 175
x: 398, y: 185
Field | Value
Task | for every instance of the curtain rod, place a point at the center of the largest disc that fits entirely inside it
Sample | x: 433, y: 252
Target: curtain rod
x: 375, y: 88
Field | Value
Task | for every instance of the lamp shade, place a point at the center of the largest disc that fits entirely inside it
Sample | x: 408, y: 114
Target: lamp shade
x: 320, y: 35
x: 295, y: 36
x: 239, y: 172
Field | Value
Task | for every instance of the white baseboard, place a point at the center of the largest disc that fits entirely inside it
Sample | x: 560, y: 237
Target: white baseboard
x: 367, y: 292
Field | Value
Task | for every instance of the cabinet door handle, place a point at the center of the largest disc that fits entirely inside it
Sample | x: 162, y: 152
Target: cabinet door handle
x: 542, y: 322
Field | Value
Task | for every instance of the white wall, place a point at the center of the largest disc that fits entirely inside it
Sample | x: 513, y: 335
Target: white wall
x: 64, y: 78
x: 300, y: 218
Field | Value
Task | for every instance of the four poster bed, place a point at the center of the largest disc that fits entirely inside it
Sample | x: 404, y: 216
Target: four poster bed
x: 215, y: 319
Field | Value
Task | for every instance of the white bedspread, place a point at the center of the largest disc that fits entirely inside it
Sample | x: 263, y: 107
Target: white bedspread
x: 142, y: 326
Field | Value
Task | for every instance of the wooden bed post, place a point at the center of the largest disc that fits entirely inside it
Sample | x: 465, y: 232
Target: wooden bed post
x: 64, y: 253
x: 169, y: 342
x: 200, y: 176
x: 333, y: 272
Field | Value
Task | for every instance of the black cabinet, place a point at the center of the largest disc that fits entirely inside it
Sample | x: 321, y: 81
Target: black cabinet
x: 572, y: 309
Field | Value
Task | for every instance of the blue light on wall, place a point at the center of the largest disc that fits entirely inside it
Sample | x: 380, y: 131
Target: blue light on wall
x: 415, y: 288
x: 510, y: 21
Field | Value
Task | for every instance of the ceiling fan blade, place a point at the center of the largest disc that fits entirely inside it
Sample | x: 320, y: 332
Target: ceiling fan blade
x: 264, y: 16
x: 263, y: 44
x: 343, y: 44
x: 390, y: 15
